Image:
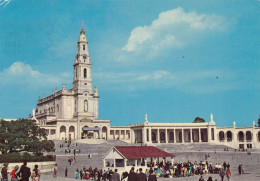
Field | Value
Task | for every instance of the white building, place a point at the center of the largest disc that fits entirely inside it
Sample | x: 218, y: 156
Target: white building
x: 73, y: 114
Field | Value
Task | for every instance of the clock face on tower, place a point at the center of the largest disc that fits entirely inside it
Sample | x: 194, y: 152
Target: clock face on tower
x: 84, y: 57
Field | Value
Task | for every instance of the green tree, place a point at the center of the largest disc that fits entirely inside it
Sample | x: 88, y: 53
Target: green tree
x: 199, y: 120
x: 23, y: 135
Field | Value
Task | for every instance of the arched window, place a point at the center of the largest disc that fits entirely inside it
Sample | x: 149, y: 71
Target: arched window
x: 85, y: 73
x: 85, y: 105
x: 84, y: 47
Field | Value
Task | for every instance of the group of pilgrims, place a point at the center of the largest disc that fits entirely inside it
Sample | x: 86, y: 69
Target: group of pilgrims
x: 159, y: 169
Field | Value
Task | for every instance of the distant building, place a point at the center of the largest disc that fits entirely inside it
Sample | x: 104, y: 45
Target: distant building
x: 73, y: 114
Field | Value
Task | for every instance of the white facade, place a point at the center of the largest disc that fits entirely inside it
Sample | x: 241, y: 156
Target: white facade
x: 73, y: 114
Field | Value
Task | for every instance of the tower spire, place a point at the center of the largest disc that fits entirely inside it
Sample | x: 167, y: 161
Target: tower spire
x: 82, y: 23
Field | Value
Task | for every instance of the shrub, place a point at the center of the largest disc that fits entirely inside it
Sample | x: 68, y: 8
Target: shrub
x: 17, y: 157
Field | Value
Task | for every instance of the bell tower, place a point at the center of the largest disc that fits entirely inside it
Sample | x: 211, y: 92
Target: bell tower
x: 82, y: 81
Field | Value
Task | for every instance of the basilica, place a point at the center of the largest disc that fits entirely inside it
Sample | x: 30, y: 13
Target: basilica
x: 73, y: 114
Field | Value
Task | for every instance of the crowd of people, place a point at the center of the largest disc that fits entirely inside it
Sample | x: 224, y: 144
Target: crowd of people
x: 155, y: 170
x: 22, y: 173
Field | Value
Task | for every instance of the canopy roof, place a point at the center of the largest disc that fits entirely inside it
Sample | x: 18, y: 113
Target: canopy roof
x: 90, y: 129
x: 135, y: 152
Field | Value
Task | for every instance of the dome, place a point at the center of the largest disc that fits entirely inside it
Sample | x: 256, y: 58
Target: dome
x: 82, y: 36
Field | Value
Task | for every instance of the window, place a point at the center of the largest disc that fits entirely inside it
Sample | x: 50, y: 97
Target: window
x: 85, y: 73
x: 85, y: 105
x: 84, y: 47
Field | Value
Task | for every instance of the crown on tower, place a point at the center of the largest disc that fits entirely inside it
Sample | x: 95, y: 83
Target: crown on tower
x: 82, y: 31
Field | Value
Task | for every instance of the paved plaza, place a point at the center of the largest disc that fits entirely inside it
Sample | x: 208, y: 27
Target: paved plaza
x: 191, y: 152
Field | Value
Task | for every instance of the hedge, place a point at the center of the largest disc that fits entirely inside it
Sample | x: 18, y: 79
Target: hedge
x: 17, y: 157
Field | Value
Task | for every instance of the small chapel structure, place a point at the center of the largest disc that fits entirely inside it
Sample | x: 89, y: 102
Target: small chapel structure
x: 124, y: 158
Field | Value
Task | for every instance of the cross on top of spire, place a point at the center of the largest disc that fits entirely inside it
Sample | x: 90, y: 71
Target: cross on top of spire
x: 82, y: 31
x: 82, y: 23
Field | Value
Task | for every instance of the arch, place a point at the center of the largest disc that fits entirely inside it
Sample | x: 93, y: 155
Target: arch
x: 229, y: 136
x: 62, y: 132
x: 248, y: 136
x: 240, y: 136
x: 104, y: 132
x: 221, y: 136
x: 72, y: 132
x: 162, y: 137
x: 85, y: 72
x: 86, y: 105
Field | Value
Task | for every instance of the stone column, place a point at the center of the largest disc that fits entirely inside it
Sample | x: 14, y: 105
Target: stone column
x: 132, y: 136
x: 125, y: 162
x: 114, y: 133
x: 114, y: 163
x: 135, y: 163
x: 183, y: 141
x: 199, y: 136
x: 174, y: 136
x: 150, y: 135
x: 144, y: 137
x: 104, y: 163
x: 158, y: 137
x: 67, y: 132
x: 166, y: 136
x: 172, y: 160
x: 209, y: 134
x: 191, y: 138
x: 99, y: 134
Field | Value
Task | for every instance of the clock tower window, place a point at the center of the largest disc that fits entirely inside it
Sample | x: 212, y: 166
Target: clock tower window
x: 86, y: 106
x: 84, y: 47
x: 85, y: 73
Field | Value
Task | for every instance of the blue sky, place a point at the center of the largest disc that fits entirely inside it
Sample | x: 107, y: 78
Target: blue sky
x: 159, y: 57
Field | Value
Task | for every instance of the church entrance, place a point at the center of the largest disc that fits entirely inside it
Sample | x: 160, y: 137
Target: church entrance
x: 90, y: 132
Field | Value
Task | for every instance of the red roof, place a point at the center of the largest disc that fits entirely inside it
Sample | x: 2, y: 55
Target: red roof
x: 134, y: 152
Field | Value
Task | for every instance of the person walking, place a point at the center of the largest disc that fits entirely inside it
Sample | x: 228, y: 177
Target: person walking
x: 239, y: 169
x: 77, y: 173
x: 201, y: 178
x: 14, y: 173
x: 54, y: 172
x: 132, y: 175
x: 221, y: 174
x: 4, y: 172
x: 152, y: 176
x: 36, y: 173
x: 25, y: 172
x: 81, y: 174
x: 66, y: 172
x: 115, y: 176
x: 228, y: 173
x: 210, y: 178
x: 141, y: 176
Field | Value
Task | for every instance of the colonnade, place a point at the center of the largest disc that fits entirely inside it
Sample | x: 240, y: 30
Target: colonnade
x: 119, y: 134
x: 170, y: 135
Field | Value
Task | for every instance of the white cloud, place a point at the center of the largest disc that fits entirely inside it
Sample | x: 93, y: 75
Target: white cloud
x: 23, y: 74
x: 201, y: 81
x: 173, y: 28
